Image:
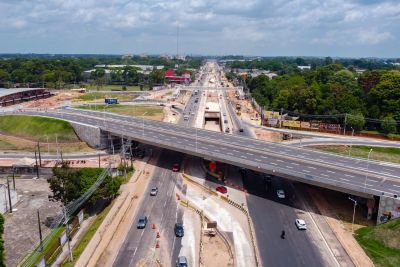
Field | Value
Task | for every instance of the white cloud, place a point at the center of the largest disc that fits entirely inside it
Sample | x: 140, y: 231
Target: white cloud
x: 290, y: 22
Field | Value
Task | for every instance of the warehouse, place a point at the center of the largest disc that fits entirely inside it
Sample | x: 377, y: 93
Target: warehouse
x: 14, y: 96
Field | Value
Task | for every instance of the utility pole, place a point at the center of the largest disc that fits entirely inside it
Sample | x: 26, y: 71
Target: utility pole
x: 345, y: 122
x: 9, y: 194
x: 130, y: 148
x: 14, y: 177
x: 40, y: 156
x: 40, y: 231
x: 354, y: 213
x: 36, y: 164
x: 99, y: 160
x: 61, y: 155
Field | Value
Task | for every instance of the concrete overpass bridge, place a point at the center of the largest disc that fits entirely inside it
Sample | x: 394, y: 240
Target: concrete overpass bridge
x: 352, y: 175
x: 215, y: 88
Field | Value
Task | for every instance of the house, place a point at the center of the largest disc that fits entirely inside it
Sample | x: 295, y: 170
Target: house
x: 171, y: 77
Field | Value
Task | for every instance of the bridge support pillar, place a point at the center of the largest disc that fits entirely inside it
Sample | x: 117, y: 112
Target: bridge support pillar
x: 389, y: 208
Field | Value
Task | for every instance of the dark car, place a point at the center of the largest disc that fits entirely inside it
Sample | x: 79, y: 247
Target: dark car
x: 142, y: 222
x: 176, y: 167
x: 179, y: 232
x: 222, y: 189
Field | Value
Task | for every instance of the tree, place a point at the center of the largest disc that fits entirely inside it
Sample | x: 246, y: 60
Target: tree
x: 68, y: 184
x: 388, y: 125
x: 355, y: 120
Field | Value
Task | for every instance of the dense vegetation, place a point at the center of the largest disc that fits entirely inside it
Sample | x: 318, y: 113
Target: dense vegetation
x: 58, y: 71
x: 68, y: 184
x: 330, y: 89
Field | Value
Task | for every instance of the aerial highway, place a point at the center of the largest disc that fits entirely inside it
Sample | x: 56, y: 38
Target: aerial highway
x: 324, y: 169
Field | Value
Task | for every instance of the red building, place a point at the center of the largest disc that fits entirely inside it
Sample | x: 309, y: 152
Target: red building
x: 171, y: 77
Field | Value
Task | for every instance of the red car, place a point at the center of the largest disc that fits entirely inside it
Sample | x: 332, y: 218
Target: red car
x: 176, y: 167
x: 222, y: 189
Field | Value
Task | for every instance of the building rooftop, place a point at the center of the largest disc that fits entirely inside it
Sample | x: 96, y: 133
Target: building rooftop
x: 5, y: 92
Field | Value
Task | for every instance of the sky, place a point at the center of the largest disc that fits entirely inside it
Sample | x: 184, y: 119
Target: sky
x: 345, y: 28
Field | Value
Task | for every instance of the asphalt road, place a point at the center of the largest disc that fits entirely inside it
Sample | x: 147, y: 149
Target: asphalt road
x: 162, y: 210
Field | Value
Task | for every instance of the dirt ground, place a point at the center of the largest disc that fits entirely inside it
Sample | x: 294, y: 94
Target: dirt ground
x: 21, y: 232
x: 215, y: 252
x: 53, y: 101
x: 267, y: 136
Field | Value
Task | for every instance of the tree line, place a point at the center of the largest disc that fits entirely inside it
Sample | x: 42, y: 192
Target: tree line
x: 332, y: 89
x: 58, y: 71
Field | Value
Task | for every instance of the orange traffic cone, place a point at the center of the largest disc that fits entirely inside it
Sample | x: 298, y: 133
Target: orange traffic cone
x: 157, y: 244
x: 158, y: 234
x: 153, y: 226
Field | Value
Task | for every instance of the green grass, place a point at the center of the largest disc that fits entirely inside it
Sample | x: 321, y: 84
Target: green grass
x: 389, y: 154
x: 381, y: 243
x: 99, y: 97
x: 111, y: 87
x: 37, y: 128
x: 152, y: 112
x: 4, y: 145
x: 85, y: 239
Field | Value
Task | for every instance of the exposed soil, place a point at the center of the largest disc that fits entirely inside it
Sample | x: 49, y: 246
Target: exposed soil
x: 215, y: 252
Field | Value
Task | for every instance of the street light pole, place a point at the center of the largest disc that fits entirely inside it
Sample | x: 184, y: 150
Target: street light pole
x: 354, y: 213
x: 366, y: 174
x: 143, y: 123
x: 351, y: 141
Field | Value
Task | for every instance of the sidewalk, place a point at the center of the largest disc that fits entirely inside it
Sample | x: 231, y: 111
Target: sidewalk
x: 104, y: 246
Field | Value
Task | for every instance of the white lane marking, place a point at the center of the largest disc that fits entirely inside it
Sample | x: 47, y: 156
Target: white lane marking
x: 348, y: 175
x: 289, y: 167
x: 279, y: 160
x: 306, y: 171
x: 347, y: 180
x: 330, y: 171
x: 229, y: 153
x: 250, y: 154
x: 243, y: 156
x: 312, y: 168
x: 295, y: 164
x: 395, y: 185
x: 273, y: 163
x: 258, y: 160
x: 263, y: 157
x: 324, y: 174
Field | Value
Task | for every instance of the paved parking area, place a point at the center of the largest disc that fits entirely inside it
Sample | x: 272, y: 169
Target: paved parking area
x: 21, y: 232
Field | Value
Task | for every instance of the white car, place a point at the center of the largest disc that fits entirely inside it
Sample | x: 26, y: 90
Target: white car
x: 153, y: 191
x: 280, y: 193
x: 301, y: 224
